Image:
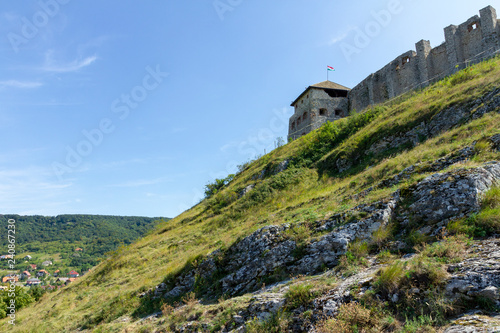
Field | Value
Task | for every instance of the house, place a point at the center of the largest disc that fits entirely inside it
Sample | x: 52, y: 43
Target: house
x: 56, y: 273
x: 73, y: 274
x: 42, y: 273
x: 78, y: 249
x: 25, y: 275
x: 70, y: 280
x: 4, y: 287
x: 27, y: 257
x: 10, y: 278
x: 62, y: 279
x: 33, y: 282
x: 31, y: 267
x: 47, y: 263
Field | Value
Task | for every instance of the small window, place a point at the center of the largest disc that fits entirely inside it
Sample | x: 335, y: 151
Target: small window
x: 406, y: 60
x: 298, y: 121
x: 304, y: 117
x: 322, y: 112
x: 339, y: 113
x: 472, y: 26
x: 293, y: 125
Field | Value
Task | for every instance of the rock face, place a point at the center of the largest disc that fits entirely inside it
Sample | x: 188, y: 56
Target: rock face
x: 276, y: 252
x: 452, y: 194
x: 273, y: 253
x: 478, y: 275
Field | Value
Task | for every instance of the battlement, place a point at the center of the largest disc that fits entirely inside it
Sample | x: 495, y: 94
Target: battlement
x: 473, y: 41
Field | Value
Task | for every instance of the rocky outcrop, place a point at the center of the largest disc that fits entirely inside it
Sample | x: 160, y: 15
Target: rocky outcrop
x: 478, y: 275
x: 246, y: 265
x: 452, y: 194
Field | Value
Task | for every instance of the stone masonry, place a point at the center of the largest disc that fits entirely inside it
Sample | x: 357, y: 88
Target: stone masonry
x: 470, y: 42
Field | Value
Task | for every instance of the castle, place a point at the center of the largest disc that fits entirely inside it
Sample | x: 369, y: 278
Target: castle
x: 472, y: 41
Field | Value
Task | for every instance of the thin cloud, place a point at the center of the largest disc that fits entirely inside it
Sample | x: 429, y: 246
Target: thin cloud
x: 141, y: 182
x: 20, y: 84
x: 70, y: 67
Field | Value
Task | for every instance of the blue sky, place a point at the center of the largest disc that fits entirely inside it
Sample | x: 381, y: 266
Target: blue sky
x: 131, y: 107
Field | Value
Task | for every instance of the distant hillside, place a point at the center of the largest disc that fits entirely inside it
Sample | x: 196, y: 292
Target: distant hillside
x: 96, y: 235
x: 384, y: 221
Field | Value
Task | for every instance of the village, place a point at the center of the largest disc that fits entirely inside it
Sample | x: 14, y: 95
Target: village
x: 32, y: 273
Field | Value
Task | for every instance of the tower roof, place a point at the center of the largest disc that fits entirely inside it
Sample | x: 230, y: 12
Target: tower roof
x: 330, y: 85
x: 327, y: 85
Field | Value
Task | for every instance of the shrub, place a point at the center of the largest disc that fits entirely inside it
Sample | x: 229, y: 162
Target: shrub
x: 217, y: 185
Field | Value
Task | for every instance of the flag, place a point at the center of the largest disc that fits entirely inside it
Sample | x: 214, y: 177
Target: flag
x: 330, y: 68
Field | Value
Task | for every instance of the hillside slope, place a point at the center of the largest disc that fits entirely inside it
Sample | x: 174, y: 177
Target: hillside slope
x: 359, y: 223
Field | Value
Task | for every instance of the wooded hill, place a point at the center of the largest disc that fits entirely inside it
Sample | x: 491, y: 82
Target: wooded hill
x: 47, y: 236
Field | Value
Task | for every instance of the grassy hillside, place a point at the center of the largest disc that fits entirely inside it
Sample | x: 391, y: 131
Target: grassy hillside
x: 329, y: 171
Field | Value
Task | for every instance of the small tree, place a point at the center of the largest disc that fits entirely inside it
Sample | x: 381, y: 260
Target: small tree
x: 217, y: 185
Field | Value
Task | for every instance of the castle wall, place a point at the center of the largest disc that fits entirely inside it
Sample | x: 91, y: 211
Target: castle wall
x: 470, y: 42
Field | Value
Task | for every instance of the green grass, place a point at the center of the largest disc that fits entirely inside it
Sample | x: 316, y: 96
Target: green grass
x: 299, y: 295
x: 311, y: 189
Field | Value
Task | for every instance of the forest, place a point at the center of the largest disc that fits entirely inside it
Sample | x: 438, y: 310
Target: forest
x: 56, y: 238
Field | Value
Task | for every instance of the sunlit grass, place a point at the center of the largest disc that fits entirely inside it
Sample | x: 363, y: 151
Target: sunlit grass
x: 110, y: 290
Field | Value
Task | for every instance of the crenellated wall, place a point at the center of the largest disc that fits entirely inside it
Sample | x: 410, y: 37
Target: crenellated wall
x: 470, y: 42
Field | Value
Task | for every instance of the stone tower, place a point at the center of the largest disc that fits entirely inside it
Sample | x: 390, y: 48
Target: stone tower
x: 319, y: 103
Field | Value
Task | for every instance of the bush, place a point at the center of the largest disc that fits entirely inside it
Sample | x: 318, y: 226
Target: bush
x: 330, y: 135
x: 217, y: 185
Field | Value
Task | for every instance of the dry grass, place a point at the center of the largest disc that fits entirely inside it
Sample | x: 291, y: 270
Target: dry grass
x: 110, y: 290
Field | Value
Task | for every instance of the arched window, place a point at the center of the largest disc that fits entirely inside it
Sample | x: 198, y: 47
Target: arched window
x: 304, y: 116
x: 322, y: 112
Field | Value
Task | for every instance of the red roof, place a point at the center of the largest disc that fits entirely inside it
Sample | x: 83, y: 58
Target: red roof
x: 74, y: 273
